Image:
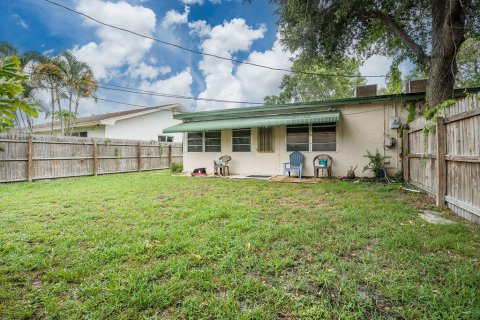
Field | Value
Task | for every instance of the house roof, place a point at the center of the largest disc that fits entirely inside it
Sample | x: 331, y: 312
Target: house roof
x: 255, y: 122
x: 112, y: 117
x: 323, y: 105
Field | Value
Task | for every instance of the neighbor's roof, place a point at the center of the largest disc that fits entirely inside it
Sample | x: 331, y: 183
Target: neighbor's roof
x: 255, y: 122
x: 112, y: 117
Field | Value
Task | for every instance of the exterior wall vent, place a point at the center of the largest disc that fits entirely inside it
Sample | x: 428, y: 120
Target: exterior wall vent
x: 415, y: 86
x: 366, y: 91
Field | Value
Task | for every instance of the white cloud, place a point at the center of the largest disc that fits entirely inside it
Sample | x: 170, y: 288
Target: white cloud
x: 115, y: 48
x: 199, y: 1
x: 174, y: 17
x: 380, y: 65
x: 144, y: 71
x: 22, y: 23
x: 179, y: 84
x: 245, y: 83
x: 192, y: 1
x: 199, y: 28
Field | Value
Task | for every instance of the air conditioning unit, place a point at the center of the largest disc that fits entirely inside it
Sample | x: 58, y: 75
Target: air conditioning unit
x: 366, y: 91
x: 415, y: 86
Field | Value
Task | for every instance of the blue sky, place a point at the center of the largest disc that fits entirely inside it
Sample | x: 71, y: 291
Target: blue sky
x: 231, y: 28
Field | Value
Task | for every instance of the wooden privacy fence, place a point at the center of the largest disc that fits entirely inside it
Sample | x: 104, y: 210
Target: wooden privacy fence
x: 35, y: 157
x: 448, y: 166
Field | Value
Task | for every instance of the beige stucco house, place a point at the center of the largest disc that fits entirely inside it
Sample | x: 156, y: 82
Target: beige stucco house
x: 260, y: 139
x: 137, y: 124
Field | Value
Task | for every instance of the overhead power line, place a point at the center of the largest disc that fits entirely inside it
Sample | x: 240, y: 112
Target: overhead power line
x: 118, y: 102
x: 168, y: 95
x: 210, y: 54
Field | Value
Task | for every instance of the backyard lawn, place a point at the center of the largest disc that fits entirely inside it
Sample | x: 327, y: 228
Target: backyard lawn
x: 149, y: 245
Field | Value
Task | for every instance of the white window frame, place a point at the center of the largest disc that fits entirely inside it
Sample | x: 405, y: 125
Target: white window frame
x: 310, y: 138
x: 203, y: 142
x: 249, y: 144
x: 166, y: 138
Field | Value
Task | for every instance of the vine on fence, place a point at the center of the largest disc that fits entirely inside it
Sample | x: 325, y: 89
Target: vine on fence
x: 431, y: 116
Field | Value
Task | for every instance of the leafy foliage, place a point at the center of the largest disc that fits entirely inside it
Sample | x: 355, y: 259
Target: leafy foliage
x: 306, y: 87
x: 394, y: 81
x: 431, y: 115
x: 469, y: 63
x: 336, y: 29
x: 176, y: 167
x: 12, y: 92
x: 376, y: 162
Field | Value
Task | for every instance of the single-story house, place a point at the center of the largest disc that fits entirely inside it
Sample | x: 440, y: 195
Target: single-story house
x: 137, y: 124
x: 260, y: 139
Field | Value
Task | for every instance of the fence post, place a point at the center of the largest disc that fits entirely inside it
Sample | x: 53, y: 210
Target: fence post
x: 441, y: 163
x: 139, y: 157
x: 30, y: 158
x: 95, y: 158
x: 406, y: 153
x: 169, y: 155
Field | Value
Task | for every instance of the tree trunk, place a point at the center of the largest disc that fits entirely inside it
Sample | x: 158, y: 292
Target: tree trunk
x: 69, y: 114
x: 60, y: 114
x: 52, y: 96
x: 448, y: 34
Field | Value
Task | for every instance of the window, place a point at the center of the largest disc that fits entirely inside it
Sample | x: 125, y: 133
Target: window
x: 265, y: 139
x: 213, y: 141
x: 298, y: 138
x: 324, y: 138
x: 165, y: 138
x: 195, y: 142
x: 312, y: 137
x: 204, y: 141
x: 80, y: 134
x: 241, y: 140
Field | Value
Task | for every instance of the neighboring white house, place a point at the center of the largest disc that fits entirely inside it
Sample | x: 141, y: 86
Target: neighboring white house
x: 137, y: 124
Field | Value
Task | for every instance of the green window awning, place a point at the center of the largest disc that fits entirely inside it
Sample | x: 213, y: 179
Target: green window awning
x: 255, y: 122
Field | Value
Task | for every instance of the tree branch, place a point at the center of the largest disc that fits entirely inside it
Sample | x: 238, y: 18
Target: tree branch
x: 398, y: 30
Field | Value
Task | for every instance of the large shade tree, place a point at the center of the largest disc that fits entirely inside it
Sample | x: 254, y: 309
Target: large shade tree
x: 429, y: 32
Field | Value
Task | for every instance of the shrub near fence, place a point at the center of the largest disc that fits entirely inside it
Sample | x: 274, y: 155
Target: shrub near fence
x: 35, y: 157
x: 447, y: 164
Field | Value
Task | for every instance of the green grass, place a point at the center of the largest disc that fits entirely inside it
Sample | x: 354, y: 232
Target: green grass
x: 149, y: 245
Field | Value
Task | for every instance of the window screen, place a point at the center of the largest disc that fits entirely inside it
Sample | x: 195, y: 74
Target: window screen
x: 162, y: 138
x: 265, y: 139
x: 80, y: 134
x: 241, y: 140
x: 324, y: 138
x: 298, y: 138
x: 195, y: 142
x: 213, y: 141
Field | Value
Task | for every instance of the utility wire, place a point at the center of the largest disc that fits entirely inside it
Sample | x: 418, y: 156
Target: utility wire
x: 168, y: 95
x: 210, y: 54
x: 118, y: 102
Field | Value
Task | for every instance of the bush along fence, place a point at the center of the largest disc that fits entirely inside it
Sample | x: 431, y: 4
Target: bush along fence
x: 445, y: 162
x: 35, y: 157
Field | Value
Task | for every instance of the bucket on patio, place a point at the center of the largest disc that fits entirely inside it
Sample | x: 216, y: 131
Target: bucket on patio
x: 323, y: 163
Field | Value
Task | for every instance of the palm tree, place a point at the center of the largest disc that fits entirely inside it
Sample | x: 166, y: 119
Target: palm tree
x: 50, y: 75
x: 80, y: 84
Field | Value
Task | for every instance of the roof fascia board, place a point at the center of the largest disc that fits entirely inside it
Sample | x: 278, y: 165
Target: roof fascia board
x: 111, y: 121
x: 265, y: 109
x: 78, y: 125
